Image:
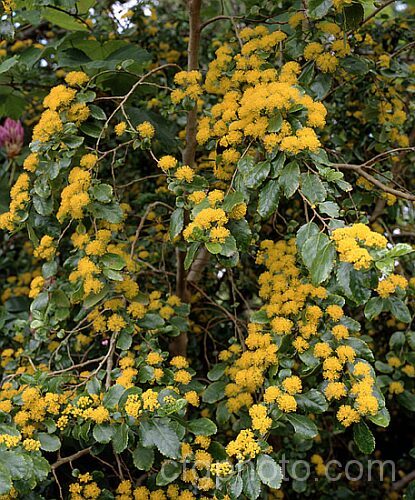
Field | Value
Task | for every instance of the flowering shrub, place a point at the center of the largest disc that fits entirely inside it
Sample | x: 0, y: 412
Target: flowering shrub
x: 207, y: 220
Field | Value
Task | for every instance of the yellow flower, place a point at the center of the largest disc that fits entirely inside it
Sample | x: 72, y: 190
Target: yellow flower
x: 59, y: 97
x: 116, y: 323
x: 292, y: 385
x: 184, y: 173
x: 396, y: 387
x: 347, y: 415
x: 192, y: 398
x: 167, y: 162
x: 120, y: 128
x: 146, y: 130
x: 75, y: 78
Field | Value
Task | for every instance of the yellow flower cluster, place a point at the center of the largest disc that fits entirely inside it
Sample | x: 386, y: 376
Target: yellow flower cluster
x: 76, y: 78
x: 388, y: 285
x: 244, y: 446
x: 350, y: 242
x: 190, y: 81
x: 254, y: 95
x: 31, y: 162
x: 36, y: 286
x: 19, y: 197
x: 145, y: 130
x: 260, y: 421
x: 75, y: 197
x: 46, y: 249
x: 85, y: 487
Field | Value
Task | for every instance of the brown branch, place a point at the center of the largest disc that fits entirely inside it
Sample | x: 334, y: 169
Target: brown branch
x: 179, y: 345
x: 361, y: 171
x: 79, y: 365
x: 70, y: 458
x: 376, y: 12
x: 404, y: 481
x: 195, y: 272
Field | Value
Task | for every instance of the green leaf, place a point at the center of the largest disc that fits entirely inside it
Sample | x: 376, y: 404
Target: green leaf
x: 251, y: 482
x: 202, y: 426
x: 113, y: 261
x: 407, y: 400
x: 120, y: 438
x: 355, y: 65
x: 399, y: 309
x: 102, y: 192
x: 169, y: 472
x: 277, y: 165
x: 213, y: 248
x: 112, y: 212
x: 268, y: 199
x: 363, y: 438
x: 269, y: 471
x: 397, y: 340
x: 8, y: 63
x: 303, y: 426
x: 400, y: 249
x: 231, y: 200
x: 216, y: 372
x: 312, y: 188
x: 305, y: 232
x: 373, y: 307
x: 176, y: 223
x: 151, y: 321
x: 19, y: 465
x: 318, y: 255
x: 63, y: 20
x: 318, y: 8
x: 41, y: 467
x: 330, y: 208
x: 103, y: 433
x: 159, y: 432
x: 5, y: 480
x: 94, y: 298
x: 236, y: 485
x: 361, y: 348
x: 113, y: 395
x: 190, y: 255
x: 275, y: 122
x: 353, y: 15
x: 254, y: 177
x: 214, y: 392
x: 97, y: 112
x: 382, y: 418
x: 312, y: 401
x: 290, y: 178
x: 143, y: 458
x: 48, y: 442
x: 124, y: 341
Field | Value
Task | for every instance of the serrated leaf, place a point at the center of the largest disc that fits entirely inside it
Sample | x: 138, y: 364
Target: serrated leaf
x: 312, y: 188
x: 268, y: 199
x: 303, y: 426
x: 290, y: 178
x: 143, y: 458
x: 202, y: 426
x: 214, y: 392
x: 49, y: 442
x: 176, y: 223
x: 318, y: 255
x: 269, y: 471
x: 159, y: 433
x: 363, y: 438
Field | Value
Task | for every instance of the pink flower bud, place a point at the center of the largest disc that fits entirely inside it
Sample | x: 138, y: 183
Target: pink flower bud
x: 11, y: 137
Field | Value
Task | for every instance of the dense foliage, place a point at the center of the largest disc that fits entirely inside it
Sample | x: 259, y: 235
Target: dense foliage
x: 206, y: 264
